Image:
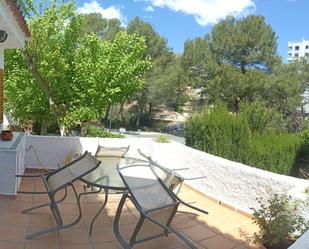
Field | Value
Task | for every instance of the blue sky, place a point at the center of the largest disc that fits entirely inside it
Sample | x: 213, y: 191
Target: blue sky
x: 179, y: 20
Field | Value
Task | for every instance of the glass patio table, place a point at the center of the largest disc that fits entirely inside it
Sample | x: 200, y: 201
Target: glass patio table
x: 106, y: 178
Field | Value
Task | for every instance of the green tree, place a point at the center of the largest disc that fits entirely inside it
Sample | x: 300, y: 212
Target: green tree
x: 94, y: 23
x: 168, y: 88
x: 198, y: 61
x: 161, y: 56
x: 262, y: 118
x: 245, y: 43
x: 74, y: 77
x: 238, y: 62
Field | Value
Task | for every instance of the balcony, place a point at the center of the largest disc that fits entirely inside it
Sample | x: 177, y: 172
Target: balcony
x: 222, y: 228
x: 228, y: 192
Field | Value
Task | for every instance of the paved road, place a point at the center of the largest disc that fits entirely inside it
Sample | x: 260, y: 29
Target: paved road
x: 154, y: 135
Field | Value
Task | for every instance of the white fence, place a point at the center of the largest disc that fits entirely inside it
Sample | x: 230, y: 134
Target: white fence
x: 233, y: 183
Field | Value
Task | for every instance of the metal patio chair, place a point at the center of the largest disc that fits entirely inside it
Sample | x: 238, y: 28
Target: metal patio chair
x: 173, y: 181
x: 157, y: 206
x: 170, y: 177
x: 103, y: 151
x: 58, y: 180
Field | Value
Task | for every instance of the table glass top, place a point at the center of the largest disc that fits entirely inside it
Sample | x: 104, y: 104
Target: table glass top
x: 106, y: 175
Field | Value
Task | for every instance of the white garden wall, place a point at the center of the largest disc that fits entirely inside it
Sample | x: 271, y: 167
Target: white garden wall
x: 233, y: 183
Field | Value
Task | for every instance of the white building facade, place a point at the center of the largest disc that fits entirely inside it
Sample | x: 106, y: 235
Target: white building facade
x: 298, y: 50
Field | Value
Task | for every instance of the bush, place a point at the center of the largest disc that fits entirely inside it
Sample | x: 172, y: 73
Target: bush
x: 162, y: 139
x: 218, y: 132
x: 261, y: 118
x: 280, y: 221
x: 275, y: 152
x: 92, y: 131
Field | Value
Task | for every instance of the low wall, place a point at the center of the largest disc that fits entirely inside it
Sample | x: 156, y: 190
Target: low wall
x: 233, y: 183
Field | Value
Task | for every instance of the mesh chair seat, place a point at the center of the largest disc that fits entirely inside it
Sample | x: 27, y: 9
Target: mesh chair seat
x: 111, y: 151
x: 72, y: 171
x: 146, y: 192
x: 58, y: 180
x: 170, y: 177
x: 156, y: 204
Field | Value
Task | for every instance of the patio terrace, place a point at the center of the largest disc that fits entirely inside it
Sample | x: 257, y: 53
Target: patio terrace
x: 221, y: 229
x: 228, y: 192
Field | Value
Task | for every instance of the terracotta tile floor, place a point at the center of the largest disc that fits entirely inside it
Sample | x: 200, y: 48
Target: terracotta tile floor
x: 221, y: 229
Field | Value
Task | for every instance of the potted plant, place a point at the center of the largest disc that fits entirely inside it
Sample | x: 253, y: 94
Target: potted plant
x: 279, y: 220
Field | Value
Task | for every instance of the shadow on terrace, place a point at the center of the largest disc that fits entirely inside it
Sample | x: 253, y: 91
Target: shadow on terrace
x: 222, y: 228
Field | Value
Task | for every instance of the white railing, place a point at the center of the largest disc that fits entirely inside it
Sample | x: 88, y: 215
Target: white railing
x: 233, y: 183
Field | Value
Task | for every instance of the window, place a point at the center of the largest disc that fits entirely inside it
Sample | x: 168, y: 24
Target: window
x: 307, y: 46
x: 296, y: 47
x: 296, y: 55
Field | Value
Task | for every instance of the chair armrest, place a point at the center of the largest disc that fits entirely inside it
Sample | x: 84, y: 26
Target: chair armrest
x: 187, y: 204
x: 194, y: 178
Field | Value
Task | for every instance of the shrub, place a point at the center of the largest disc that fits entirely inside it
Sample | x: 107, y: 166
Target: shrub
x: 280, y: 221
x: 162, y: 139
x: 92, y: 131
x: 275, y: 152
x: 261, y: 118
x: 218, y: 132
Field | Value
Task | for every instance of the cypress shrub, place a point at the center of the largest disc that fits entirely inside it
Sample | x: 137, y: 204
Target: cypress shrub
x: 275, y: 152
x: 262, y: 118
x: 219, y: 133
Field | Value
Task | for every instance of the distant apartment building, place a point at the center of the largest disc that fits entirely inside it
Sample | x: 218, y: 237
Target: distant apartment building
x: 298, y: 50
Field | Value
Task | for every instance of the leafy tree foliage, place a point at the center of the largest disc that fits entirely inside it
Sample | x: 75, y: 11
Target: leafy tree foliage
x: 161, y: 57
x: 94, y: 23
x: 74, y: 77
x: 238, y: 62
x: 245, y: 43
x: 262, y: 118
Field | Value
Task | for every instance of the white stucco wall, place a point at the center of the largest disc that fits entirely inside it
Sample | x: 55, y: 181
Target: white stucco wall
x: 233, y: 183
x: 302, y: 242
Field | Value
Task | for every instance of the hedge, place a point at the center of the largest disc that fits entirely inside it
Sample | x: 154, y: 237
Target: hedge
x: 218, y: 132
x: 275, y: 152
x: 92, y: 131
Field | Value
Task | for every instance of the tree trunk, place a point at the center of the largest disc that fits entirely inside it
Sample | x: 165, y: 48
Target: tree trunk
x: 41, y: 82
x: 139, y: 115
x: 141, y: 105
x: 120, y: 114
x: 43, y: 85
x: 44, y: 127
x: 107, y: 111
x: 149, y: 109
x: 242, y: 67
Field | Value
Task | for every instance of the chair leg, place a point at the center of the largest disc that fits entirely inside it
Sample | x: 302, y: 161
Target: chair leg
x: 89, y: 193
x: 98, y: 212
x: 45, y: 204
x: 184, y: 239
x: 58, y: 218
x: 121, y: 240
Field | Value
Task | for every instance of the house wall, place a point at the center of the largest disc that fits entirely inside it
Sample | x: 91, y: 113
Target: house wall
x: 1, y: 92
x: 232, y: 183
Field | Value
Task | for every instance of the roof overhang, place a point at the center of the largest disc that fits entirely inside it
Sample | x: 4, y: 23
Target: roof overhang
x: 14, y: 24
